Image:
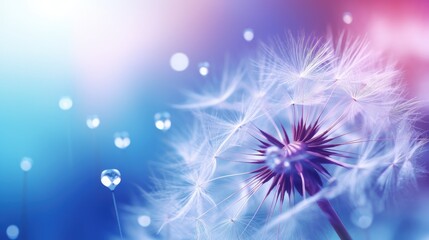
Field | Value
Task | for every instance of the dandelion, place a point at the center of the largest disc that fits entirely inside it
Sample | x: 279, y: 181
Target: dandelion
x: 310, y: 120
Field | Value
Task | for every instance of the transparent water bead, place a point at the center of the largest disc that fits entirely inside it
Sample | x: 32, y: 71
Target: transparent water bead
x: 280, y: 160
x: 111, y: 178
x: 122, y: 140
x: 144, y: 220
x: 65, y: 103
x: 179, y: 62
x: 12, y: 232
x: 93, y: 122
x: 248, y: 34
x: 162, y: 121
x: 275, y: 160
x: 26, y: 164
x: 204, y: 68
x: 347, y: 18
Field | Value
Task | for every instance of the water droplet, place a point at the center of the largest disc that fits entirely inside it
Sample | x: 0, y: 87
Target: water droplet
x: 274, y: 159
x: 248, y: 34
x: 362, y: 217
x: 111, y: 178
x: 122, y: 140
x: 144, y: 220
x: 26, y: 164
x: 12, y: 232
x: 347, y: 18
x: 204, y: 68
x: 93, y: 122
x: 65, y: 103
x: 162, y: 121
x: 179, y: 62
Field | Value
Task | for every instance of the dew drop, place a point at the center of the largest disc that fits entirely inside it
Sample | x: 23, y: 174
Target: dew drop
x: 179, y: 62
x: 122, y: 140
x: 93, y: 122
x: 65, y: 103
x: 110, y: 178
x: 162, y: 121
x: 274, y: 159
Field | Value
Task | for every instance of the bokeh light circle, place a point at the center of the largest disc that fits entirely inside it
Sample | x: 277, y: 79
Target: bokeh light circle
x: 12, y: 232
x: 179, y: 62
x: 144, y: 220
x: 347, y: 18
x: 248, y: 34
x: 65, y: 103
x: 362, y: 217
x: 26, y: 164
x: 203, y: 68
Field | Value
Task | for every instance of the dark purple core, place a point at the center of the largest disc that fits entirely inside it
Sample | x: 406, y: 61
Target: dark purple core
x: 296, y: 162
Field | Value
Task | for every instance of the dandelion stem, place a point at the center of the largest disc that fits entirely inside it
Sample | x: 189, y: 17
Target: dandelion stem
x: 332, y: 215
x: 334, y: 219
x: 117, y: 215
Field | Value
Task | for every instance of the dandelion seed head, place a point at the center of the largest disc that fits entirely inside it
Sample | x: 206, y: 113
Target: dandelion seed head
x: 311, y: 119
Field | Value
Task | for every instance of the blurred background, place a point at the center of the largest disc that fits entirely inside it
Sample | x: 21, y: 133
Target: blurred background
x: 82, y: 81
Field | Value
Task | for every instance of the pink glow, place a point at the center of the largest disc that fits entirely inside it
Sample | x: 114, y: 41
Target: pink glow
x: 409, y: 37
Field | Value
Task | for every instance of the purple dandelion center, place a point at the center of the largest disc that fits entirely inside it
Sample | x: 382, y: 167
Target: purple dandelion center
x: 279, y: 160
x: 296, y: 163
